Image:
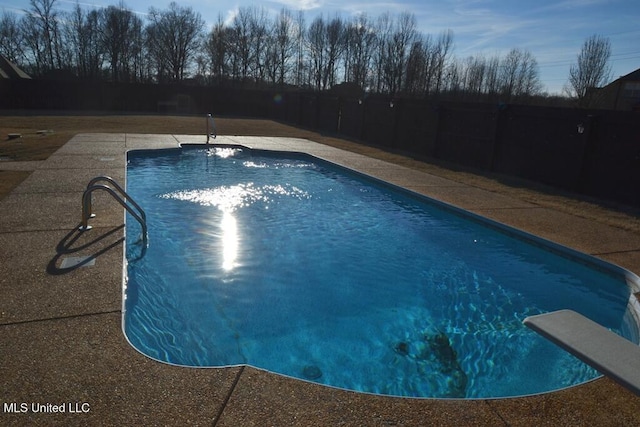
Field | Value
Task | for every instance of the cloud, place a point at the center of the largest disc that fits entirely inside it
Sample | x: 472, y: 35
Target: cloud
x: 230, y: 16
x: 97, y: 4
x: 300, y: 4
x: 572, y: 4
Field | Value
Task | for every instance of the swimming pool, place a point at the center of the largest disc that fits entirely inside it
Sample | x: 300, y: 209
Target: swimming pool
x: 294, y: 265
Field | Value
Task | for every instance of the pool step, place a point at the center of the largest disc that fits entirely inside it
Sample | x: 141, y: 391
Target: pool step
x: 609, y: 353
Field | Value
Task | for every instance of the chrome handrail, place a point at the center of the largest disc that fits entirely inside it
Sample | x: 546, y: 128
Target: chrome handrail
x: 211, y: 128
x: 121, y: 190
x: 121, y: 197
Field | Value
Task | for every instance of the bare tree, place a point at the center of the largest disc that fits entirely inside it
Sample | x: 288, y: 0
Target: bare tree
x: 491, y: 84
x: 240, y: 43
x: 334, y: 49
x: 475, y: 68
x: 452, y: 79
x: 73, y: 35
x: 11, y: 38
x: 46, y: 20
x: 519, y: 75
x: 40, y: 32
x: 300, y: 36
x: 83, y: 41
x: 438, y: 63
x: 415, y: 80
x: 259, y: 25
x: 316, y: 48
x: 228, y: 63
x: 217, y: 50
x: 247, y: 43
x: 360, y: 39
x: 120, y: 31
x: 34, y: 45
x: 396, y: 49
x: 591, y: 70
x: 529, y: 77
x: 280, y: 49
x: 388, y: 55
x: 138, y: 65
x: 175, y: 36
x: 382, y: 29
x: 325, y: 44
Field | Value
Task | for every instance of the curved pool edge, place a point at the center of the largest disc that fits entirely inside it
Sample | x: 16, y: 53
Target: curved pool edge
x: 67, y: 345
x: 632, y: 280
x: 304, y: 381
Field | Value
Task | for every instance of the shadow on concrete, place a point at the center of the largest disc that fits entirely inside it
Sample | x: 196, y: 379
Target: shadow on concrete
x: 76, y: 243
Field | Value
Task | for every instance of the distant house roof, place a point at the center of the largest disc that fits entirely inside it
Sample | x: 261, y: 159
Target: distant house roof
x: 621, y: 94
x: 9, y: 70
x: 632, y: 76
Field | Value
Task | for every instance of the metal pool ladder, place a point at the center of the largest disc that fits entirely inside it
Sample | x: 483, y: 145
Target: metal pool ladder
x: 121, y: 197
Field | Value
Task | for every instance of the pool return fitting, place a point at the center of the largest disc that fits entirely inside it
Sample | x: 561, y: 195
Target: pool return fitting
x: 121, y: 196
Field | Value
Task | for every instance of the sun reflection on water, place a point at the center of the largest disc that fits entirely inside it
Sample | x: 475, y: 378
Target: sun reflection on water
x: 229, y: 227
x: 223, y: 152
x: 228, y: 199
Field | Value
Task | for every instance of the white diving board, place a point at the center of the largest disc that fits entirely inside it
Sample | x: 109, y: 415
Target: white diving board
x: 609, y: 353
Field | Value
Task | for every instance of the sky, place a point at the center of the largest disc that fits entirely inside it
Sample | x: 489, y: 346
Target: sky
x: 552, y: 30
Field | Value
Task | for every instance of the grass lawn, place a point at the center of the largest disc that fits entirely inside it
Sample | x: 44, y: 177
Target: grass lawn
x: 43, y: 135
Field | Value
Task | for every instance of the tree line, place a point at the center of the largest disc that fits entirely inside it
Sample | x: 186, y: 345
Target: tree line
x: 386, y: 54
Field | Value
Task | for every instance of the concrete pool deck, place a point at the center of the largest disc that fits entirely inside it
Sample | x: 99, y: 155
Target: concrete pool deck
x: 62, y: 346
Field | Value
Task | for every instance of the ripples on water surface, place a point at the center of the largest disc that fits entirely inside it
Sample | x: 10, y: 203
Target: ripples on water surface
x: 301, y: 269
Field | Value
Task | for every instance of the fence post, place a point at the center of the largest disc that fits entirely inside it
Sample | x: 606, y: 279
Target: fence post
x: 302, y: 98
x: 300, y: 108
x: 497, y: 134
x: 362, y: 102
x: 587, y: 128
x: 396, y: 106
x: 316, y: 119
x: 339, y: 126
x: 440, y: 111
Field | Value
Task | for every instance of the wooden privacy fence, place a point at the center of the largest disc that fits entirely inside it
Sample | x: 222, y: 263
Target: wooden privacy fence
x: 594, y: 152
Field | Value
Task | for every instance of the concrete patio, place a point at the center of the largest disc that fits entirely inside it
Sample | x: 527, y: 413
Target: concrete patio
x: 62, y: 345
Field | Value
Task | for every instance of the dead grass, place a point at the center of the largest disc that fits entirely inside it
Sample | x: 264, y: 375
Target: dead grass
x: 10, y: 180
x: 39, y: 146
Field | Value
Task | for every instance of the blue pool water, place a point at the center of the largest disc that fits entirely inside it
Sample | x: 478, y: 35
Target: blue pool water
x: 301, y: 268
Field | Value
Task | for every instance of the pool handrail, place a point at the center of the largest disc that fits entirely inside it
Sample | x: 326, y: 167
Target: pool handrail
x: 121, y: 196
x: 211, y: 127
x: 123, y: 193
